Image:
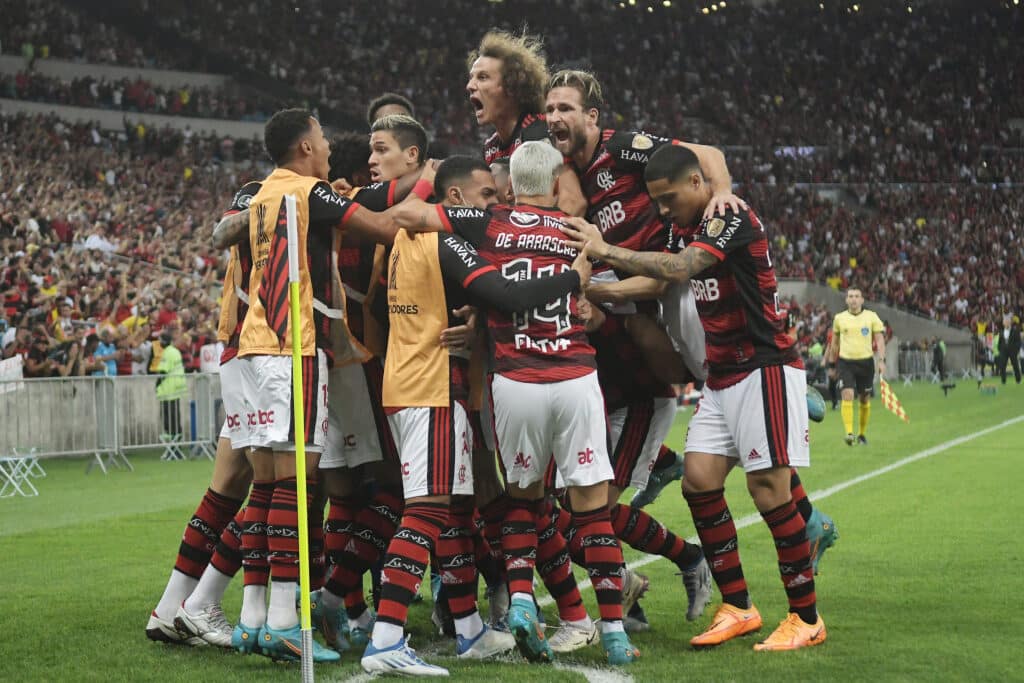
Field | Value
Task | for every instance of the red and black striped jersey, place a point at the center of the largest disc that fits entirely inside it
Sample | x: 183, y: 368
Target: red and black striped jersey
x: 546, y: 343
x: 529, y: 127
x: 355, y: 257
x: 239, y: 270
x: 738, y: 301
x: 622, y: 370
x: 617, y: 199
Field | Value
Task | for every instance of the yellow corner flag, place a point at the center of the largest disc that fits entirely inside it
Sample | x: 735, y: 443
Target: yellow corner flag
x: 891, y: 403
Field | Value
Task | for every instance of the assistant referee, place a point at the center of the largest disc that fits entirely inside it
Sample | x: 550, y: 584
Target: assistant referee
x: 859, y: 344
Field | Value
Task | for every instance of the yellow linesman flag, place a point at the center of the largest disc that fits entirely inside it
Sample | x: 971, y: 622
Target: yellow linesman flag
x: 891, y: 403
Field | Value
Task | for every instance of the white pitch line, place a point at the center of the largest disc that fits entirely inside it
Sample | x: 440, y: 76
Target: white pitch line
x: 825, y: 493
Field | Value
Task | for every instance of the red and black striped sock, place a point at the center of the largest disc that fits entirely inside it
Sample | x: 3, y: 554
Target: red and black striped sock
x: 203, y: 532
x: 338, y: 527
x: 493, y: 516
x: 372, y: 528
x: 407, y: 557
x: 800, y: 499
x: 488, y: 563
x: 227, y: 556
x: 283, y: 530
x: 317, y: 553
x: 666, y: 457
x: 790, y: 534
x: 603, y: 556
x: 519, y: 543
x: 255, y: 561
x: 644, y: 533
x: 555, y: 566
x: 717, y: 534
x: 561, y: 518
x: 455, y: 558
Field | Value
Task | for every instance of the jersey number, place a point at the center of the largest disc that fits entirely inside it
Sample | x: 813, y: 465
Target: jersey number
x: 556, y: 312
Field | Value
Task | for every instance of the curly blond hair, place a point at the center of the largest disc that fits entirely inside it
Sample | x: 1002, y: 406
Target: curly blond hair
x: 524, y: 68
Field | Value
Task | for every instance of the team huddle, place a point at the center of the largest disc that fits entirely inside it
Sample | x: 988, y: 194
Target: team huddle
x: 489, y: 348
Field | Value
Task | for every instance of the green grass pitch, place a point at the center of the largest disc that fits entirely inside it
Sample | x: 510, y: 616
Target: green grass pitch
x: 923, y: 585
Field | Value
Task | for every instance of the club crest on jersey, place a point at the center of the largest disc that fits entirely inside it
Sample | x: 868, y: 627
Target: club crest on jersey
x: 641, y: 141
x: 715, y: 227
x: 524, y: 219
x: 864, y: 331
x: 605, y: 181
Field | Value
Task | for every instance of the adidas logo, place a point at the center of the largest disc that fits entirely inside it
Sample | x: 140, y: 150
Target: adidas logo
x: 753, y: 455
x: 606, y: 585
x: 800, y: 580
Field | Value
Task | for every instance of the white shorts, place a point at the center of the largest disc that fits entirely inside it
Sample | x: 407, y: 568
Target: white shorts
x: 762, y: 420
x: 435, y: 447
x: 236, y: 411
x: 352, y: 438
x: 638, y: 431
x: 267, y: 387
x: 534, y: 423
x: 679, y: 313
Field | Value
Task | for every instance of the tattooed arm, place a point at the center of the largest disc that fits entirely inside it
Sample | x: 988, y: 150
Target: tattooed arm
x: 416, y: 215
x: 673, y: 267
x: 231, y: 230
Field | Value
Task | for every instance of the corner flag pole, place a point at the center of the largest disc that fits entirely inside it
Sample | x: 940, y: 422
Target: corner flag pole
x: 300, y: 438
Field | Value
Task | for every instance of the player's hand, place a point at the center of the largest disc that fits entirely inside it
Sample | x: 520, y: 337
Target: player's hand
x: 430, y: 170
x: 581, y: 234
x: 461, y: 336
x: 591, y: 315
x: 880, y: 365
x: 581, y: 265
x: 341, y: 186
x: 722, y: 201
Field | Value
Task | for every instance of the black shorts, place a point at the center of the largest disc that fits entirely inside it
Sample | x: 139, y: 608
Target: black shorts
x: 858, y: 375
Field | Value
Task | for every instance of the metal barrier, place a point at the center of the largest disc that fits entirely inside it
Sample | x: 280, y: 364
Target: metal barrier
x: 189, y: 422
x: 104, y: 417
x: 916, y: 364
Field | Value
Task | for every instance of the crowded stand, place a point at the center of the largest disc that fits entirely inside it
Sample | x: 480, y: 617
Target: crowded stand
x: 891, y: 119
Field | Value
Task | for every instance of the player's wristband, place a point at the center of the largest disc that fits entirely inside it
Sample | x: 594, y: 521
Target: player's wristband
x: 423, y: 189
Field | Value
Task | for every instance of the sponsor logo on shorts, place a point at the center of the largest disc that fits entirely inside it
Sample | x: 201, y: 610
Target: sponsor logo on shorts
x: 405, y: 469
x: 462, y: 474
x: 753, y: 455
x: 585, y: 457
x: 234, y: 421
x: 522, y: 460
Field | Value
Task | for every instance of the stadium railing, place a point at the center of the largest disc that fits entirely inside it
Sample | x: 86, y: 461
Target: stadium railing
x: 103, y: 418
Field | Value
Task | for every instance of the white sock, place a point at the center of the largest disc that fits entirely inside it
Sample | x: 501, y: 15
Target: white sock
x: 330, y: 600
x: 386, y: 635
x: 585, y: 623
x: 254, y: 606
x: 612, y: 626
x: 282, y: 615
x: 209, y: 591
x: 469, y: 627
x: 522, y: 596
x: 179, y: 587
x: 362, y: 621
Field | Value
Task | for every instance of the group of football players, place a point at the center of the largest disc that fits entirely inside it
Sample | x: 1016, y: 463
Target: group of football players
x: 489, y: 348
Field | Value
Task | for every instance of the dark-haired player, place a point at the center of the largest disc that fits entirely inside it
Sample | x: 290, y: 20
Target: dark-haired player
x: 507, y: 78
x: 753, y: 411
x: 386, y: 104
x: 296, y: 144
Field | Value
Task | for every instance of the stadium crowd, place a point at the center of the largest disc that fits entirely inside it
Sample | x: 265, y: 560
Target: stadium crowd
x: 138, y: 95
x: 912, y: 111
